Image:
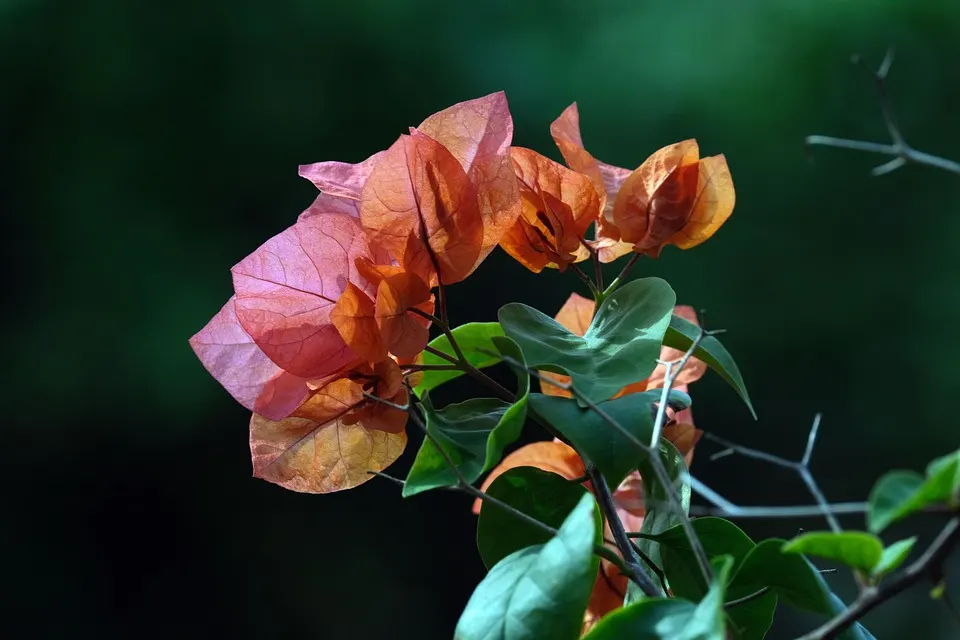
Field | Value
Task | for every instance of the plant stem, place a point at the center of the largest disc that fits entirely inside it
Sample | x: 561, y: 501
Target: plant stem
x: 929, y: 565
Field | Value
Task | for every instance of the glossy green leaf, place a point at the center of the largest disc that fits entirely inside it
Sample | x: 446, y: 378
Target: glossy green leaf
x: 473, y: 433
x: 659, y: 516
x: 855, y: 549
x: 893, y: 497
x: 718, y: 537
x: 680, y: 335
x: 620, y: 347
x: 601, y: 443
x: 541, y: 591
x: 540, y: 494
x: 893, y: 556
x: 474, y: 339
x: 675, y: 619
x: 796, y: 581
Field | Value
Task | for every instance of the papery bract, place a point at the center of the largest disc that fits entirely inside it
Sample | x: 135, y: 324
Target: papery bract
x: 340, y: 178
x: 354, y: 316
x: 557, y: 207
x: 478, y: 133
x: 286, y: 291
x: 673, y: 197
x: 336, y: 437
x: 419, y: 205
x: 231, y: 356
x: 403, y: 331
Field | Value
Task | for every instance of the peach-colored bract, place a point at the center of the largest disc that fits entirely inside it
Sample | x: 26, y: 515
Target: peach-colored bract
x: 673, y: 197
x: 326, y: 313
x: 558, y: 206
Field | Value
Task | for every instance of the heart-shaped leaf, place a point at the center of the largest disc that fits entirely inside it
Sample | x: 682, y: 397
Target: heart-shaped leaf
x: 620, y: 347
x: 540, y: 591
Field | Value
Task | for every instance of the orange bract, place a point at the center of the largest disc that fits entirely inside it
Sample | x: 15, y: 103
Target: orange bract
x: 404, y: 332
x: 420, y: 206
x: 674, y: 197
x: 353, y: 316
x: 557, y: 207
x: 334, y: 438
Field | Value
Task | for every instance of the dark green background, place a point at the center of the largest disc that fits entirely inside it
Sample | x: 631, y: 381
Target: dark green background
x: 149, y: 146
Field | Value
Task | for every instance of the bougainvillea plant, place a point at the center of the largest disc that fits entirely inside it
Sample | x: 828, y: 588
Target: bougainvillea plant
x: 590, y: 532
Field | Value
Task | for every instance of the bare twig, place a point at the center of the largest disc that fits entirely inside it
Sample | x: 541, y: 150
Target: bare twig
x: 801, y: 468
x: 902, y: 152
x: 627, y: 551
x: 928, y: 566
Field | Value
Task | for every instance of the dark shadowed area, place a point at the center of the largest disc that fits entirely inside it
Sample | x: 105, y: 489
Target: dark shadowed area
x: 148, y: 147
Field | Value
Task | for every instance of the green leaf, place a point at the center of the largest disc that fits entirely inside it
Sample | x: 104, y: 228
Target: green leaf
x: 718, y: 537
x: 892, y: 499
x: 540, y: 591
x: 545, y: 496
x: 473, y: 433
x: 796, y: 581
x: 620, y: 347
x: 659, y: 516
x: 680, y: 335
x: 473, y: 338
x: 675, y: 619
x: 943, y: 480
x: 900, y: 493
x: 612, y: 452
x: 855, y: 549
x: 893, y: 556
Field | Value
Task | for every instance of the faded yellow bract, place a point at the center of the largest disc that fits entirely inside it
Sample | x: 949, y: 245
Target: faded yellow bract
x: 306, y: 456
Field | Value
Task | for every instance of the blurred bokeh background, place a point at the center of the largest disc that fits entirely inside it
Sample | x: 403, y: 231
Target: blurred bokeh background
x: 147, y: 147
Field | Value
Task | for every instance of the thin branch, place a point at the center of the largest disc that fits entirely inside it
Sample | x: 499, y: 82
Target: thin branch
x: 656, y: 463
x: 461, y: 361
x: 414, y: 368
x: 585, y: 279
x: 630, y: 557
x: 469, y: 489
x: 801, y: 468
x: 444, y: 328
x: 443, y: 355
x: 928, y: 566
x: 902, y: 152
x: 750, y: 597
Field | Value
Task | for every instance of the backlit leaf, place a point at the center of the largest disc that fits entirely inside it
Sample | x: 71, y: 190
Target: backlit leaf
x: 475, y: 339
x: 855, y: 549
